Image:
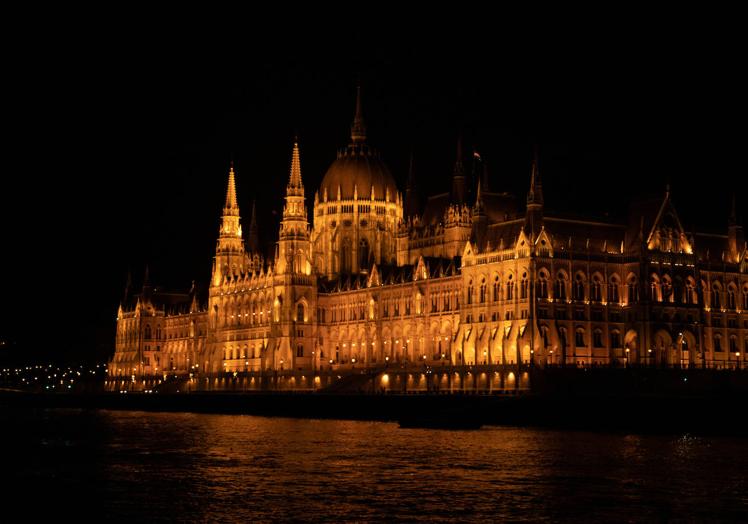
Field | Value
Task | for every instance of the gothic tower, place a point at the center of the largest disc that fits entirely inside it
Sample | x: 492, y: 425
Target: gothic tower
x: 231, y: 259
x: 294, y: 285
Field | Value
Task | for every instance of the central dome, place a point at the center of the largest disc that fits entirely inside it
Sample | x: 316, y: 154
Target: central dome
x: 358, y: 168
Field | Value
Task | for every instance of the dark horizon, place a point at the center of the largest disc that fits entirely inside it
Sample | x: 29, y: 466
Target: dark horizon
x: 125, y: 164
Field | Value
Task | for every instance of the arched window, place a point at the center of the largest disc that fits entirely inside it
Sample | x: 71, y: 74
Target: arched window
x: 633, y: 290
x: 300, y: 313
x: 667, y: 289
x: 678, y: 290
x: 523, y: 286
x: 544, y: 335
x: 345, y: 255
x: 578, y: 288
x: 597, y: 338
x: 543, y: 286
x: 615, y: 339
x: 496, y: 288
x: 733, y: 344
x: 613, y: 291
x: 509, y: 288
x: 716, y: 303
x: 654, y: 288
x: 731, y: 298
x: 482, y: 290
x: 717, y: 343
x: 470, y: 292
x: 560, y: 291
x: 692, y: 296
x: 562, y: 336
x: 147, y: 331
x: 363, y: 254
x: 158, y: 332
x: 579, y: 340
x: 299, y: 350
x: 597, y: 289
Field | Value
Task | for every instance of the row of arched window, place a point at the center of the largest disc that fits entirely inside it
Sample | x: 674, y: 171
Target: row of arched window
x: 580, y: 337
x: 734, y: 347
x: 561, y: 288
x: 242, y: 352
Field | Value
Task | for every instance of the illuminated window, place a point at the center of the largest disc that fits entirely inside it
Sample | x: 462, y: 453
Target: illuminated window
x: 560, y: 290
x: 579, y: 340
x: 633, y: 290
x: 543, y: 286
x: 730, y: 298
x: 716, y: 295
x: 578, y: 288
x: 613, y: 290
x: 667, y: 289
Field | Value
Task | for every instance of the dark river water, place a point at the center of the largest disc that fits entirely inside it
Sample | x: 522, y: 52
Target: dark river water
x: 136, y: 466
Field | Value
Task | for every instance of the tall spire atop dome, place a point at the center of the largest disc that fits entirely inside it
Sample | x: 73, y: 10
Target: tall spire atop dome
x: 358, y: 129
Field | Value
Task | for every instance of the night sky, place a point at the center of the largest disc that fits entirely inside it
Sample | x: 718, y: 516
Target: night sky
x: 119, y: 152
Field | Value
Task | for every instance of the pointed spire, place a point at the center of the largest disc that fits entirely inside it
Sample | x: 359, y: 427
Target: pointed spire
x: 195, y: 304
x: 411, y: 196
x: 411, y: 172
x: 231, y: 205
x: 358, y: 128
x: 458, y: 176
x: 294, y: 180
x: 295, y: 208
x: 128, y: 287
x: 535, y: 195
x: 479, y: 199
x: 485, y: 178
x: 254, y: 237
x: 146, y: 292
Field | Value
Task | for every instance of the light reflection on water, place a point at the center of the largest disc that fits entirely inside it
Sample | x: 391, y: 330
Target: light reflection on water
x: 190, y: 467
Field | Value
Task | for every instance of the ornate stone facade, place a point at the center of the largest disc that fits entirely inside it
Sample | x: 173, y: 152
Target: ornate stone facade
x: 372, y: 284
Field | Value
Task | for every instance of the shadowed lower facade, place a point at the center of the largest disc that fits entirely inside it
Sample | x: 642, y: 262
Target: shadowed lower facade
x: 472, y: 279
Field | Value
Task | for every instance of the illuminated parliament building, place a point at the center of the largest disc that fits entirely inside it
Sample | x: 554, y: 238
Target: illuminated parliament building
x: 475, y: 277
